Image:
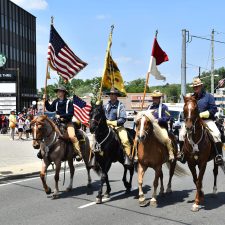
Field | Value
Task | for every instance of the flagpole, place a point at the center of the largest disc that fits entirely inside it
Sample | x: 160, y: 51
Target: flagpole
x: 46, y: 76
x: 147, y: 77
x: 107, y: 51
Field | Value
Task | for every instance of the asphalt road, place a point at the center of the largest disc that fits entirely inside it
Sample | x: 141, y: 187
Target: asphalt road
x: 24, y: 202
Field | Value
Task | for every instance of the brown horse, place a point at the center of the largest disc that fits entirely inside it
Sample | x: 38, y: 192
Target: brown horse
x: 198, y: 148
x: 56, y: 148
x: 153, y: 153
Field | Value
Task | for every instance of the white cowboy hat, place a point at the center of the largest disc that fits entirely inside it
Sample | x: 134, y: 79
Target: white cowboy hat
x: 196, y: 82
x: 156, y: 94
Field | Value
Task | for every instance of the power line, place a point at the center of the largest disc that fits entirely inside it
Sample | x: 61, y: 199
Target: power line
x: 194, y: 36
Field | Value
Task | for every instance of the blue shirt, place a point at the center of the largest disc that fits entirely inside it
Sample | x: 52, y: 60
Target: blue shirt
x: 59, y: 106
x: 206, y: 102
x: 165, y: 115
x: 113, y: 113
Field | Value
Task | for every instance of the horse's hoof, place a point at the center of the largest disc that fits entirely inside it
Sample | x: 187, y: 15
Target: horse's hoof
x: 153, y: 203
x: 168, y: 190
x: 49, y: 191
x: 55, y: 196
x: 128, y: 190
x: 98, y: 200
x: 68, y: 189
x: 143, y: 203
x: 106, y: 195
x: 195, y: 208
x: 214, y: 190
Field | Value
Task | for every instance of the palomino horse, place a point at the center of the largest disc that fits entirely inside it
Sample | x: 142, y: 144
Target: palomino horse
x: 153, y: 153
x: 198, y: 148
x: 55, y: 148
x: 108, y: 150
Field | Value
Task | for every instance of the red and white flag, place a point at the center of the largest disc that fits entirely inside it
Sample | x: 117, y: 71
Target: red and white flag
x: 221, y: 82
x: 158, y: 56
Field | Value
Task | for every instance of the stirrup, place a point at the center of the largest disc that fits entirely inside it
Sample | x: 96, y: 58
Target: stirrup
x: 219, y: 159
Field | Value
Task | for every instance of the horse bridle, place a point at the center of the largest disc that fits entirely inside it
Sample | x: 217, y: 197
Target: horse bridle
x: 146, y: 132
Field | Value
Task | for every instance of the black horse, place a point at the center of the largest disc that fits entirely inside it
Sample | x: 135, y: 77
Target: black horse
x: 108, y: 149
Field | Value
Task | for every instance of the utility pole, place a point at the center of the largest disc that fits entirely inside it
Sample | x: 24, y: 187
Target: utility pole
x: 212, y: 63
x: 199, y: 71
x: 183, y: 65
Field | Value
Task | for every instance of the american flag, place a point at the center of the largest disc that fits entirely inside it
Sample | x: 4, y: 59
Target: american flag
x: 61, y: 58
x: 221, y: 82
x: 81, y: 110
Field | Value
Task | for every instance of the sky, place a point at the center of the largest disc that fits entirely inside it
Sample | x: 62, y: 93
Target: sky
x: 85, y: 26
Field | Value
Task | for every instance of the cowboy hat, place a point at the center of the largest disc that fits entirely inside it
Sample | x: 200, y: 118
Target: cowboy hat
x: 196, y: 82
x: 61, y: 88
x: 113, y: 91
x: 156, y: 94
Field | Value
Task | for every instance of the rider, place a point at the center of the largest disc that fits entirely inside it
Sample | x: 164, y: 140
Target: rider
x: 64, y: 110
x: 207, y: 110
x: 116, y: 117
x: 161, y: 113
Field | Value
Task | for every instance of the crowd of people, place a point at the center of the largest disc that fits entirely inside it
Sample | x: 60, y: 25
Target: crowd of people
x: 17, y: 124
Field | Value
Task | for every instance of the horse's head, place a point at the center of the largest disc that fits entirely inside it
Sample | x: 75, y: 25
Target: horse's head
x: 144, y: 125
x: 190, y: 111
x: 97, y: 116
x: 38, y: 130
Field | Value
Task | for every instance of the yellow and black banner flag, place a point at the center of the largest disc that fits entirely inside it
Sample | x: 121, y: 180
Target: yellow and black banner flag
x: 111, y: 73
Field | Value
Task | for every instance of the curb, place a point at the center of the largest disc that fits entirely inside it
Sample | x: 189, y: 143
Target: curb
x: 32, y: 174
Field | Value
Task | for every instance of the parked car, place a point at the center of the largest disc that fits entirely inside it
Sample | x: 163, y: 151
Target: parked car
x: 50, y: 115
x: 130, y: 115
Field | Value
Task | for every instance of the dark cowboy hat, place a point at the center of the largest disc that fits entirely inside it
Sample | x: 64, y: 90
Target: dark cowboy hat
x: 113, y: 91
x: 61, y: 88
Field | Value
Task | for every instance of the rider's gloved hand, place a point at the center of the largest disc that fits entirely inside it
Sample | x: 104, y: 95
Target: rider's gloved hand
x: 204, y: 114
x: 112, y: 123
x: 57, y: 116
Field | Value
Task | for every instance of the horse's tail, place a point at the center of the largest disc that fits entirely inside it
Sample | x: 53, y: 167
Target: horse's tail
x: 179, y: 170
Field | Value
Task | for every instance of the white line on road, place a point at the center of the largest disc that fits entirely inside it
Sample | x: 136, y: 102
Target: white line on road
x: 34, y: 178
x: 105, y: 200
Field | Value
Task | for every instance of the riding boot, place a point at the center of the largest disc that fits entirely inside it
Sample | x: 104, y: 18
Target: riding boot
x: 39, y: 155
x: 180, y: 155
x: 170, y: 150
x: 219, y: 153
x: 77, y: 149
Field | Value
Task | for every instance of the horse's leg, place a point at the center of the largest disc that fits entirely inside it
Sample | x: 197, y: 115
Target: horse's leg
x: 130, y: 181
x: 89, y: 177
x: 44, y: 168
x: 161, y: 184
x: 72, y: 169
x: 171, y: 171
x: 158, y: 172
x: 215, y: 172
x: 199, y: 195
x: 141, y: 172
x: 57, y: 171
x: 108, y: 188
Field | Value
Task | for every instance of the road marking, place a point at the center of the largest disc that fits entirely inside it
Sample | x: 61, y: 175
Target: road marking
x: 34, y: 178
x: 105, y: 200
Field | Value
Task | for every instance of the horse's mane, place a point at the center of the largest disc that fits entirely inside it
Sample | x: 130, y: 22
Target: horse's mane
x: 157, y: 130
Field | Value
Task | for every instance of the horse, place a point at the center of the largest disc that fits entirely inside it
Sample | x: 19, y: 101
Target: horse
x: 56, y: 148
x: 198, y: 148
x: 153, y: 153
x: 108, y: 149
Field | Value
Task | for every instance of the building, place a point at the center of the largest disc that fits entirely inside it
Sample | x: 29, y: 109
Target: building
x: 220, y: 97
x: 17, y: 57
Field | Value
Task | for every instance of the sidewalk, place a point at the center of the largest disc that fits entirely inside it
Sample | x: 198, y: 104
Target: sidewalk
x: 18, y: 158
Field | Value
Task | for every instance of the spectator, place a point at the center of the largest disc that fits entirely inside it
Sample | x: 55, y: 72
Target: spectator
x: 20, y: 122
x: 27, y: 126
x: 12, y: 124
x: 4, y: 124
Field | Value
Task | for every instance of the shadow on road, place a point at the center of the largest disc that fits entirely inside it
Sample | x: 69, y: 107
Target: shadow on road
x: 214, y: 201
